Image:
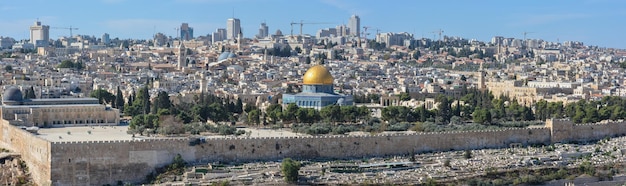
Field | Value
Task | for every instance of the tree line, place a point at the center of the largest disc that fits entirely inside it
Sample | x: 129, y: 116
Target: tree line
x: 69, y: 64
x: 475, y: 106
x: 332, y: 113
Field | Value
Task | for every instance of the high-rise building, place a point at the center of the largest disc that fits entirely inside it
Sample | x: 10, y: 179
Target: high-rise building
x: 233, y: 26
x: 355, y: 26
x: 218, y: 35
x: 263, y: 31
x: 186, y: 32
x: 39, y: 34
x: 342, y: 30
x: 105, y: 39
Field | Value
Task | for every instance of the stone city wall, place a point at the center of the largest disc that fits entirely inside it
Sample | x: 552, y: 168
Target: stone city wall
x: 597, y: 131
x: 564, y: 130
x: 33, y: 150
x: 106, y: 162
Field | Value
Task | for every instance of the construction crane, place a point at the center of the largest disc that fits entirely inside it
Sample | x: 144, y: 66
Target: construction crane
x: 525, y: 33
x: 438, y: 32
x: 365, y: 33
x: 67, y: 28
x: 302, y: 23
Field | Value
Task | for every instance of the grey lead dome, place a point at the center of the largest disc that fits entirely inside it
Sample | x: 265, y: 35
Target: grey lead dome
x: 12, y: 94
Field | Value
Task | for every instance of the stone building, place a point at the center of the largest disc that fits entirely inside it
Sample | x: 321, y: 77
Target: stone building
x: 55, y: 112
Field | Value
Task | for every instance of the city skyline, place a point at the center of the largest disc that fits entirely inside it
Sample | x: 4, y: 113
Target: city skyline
x: 594, y: 22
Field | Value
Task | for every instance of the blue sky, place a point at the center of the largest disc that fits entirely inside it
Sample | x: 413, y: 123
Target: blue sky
x: 594, y: 22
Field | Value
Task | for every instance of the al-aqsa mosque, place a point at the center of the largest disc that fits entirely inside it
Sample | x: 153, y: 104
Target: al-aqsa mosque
x: 317, y: 91
x: 55, y: 112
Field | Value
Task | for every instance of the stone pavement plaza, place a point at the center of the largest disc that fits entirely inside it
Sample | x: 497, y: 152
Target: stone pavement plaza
x: 107, y: 133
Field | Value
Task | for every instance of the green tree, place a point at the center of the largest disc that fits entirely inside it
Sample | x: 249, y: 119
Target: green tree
x: 289, y: 89
x: 239, y: 106
x: 331, y: 113
x: 274, y: 112
x: 254, y: 116
x: 30, y: 93
x: 302, y: 116
x: 290, y: 169
x: 482, y: 116
x: 119, y: 100
x: 103, y: 96
x: 144, y: 97
x: 162, y: 101
x: 184, y: 116
x: 289, y: 114
x: 66, y: 64
x: 404, y: 96
x: 150, y: 121
x: 69, y: 64
x: 444, y: 108
x: 177, y: 165
x: 9, y: 68
x: 417, y: 54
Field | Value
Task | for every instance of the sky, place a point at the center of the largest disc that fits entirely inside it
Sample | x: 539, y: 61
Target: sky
x: 594, y: 22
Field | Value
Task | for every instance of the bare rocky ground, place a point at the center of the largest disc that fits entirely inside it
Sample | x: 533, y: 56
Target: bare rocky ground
x: 13, y: 171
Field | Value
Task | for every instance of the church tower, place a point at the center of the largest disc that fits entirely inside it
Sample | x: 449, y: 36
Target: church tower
x: 265, y: 54
x: 181, y: 56
x: 240, y: 41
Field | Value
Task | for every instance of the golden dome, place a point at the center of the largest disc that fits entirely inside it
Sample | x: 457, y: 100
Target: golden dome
x: 317, y: 75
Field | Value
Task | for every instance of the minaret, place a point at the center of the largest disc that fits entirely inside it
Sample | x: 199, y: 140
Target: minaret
x: 481, y: 78
x: 181, y: 56
x: 203, y: 82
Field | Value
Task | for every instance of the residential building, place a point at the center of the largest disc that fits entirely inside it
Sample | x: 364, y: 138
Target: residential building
x: 219, y: 35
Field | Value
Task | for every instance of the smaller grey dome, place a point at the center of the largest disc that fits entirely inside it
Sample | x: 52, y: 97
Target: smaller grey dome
x: 12, y: 94
x: 341, y: 102
x: 226, y: 55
